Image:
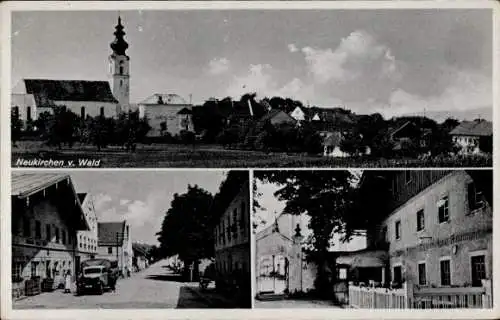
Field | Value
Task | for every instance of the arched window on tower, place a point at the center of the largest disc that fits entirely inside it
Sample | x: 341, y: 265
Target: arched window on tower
x: 82, y: 112
x: 28, y: 113
x: 121, y: 67
x: 102, y: 111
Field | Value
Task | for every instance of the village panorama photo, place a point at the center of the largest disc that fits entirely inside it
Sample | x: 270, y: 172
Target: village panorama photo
x: 252, y: 88
x: 135, y: 240
x: 369, y: 239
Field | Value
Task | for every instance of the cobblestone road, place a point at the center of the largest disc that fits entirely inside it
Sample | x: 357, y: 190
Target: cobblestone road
x: 154, y: 287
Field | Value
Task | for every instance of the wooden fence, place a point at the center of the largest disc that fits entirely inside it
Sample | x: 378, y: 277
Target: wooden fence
x: 421, y: 298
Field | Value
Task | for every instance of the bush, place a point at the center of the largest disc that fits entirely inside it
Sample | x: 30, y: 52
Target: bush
x: 187, y: 137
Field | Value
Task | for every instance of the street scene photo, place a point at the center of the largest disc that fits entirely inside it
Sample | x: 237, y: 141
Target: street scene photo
x: 369, y: 239
x: 252, y: 88
x: 135, y: 239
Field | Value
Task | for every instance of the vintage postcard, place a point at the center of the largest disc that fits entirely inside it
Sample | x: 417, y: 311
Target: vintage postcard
x: 249, y: 160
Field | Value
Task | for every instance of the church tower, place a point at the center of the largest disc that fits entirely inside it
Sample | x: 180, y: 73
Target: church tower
x: 119, y: 68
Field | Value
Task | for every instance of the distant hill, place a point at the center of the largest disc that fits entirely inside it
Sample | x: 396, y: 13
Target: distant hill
x: 483, y: 113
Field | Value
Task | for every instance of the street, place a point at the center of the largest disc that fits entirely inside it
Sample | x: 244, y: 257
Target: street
x: 154, y: 287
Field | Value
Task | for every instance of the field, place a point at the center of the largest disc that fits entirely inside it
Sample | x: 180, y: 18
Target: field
x: 211, y: 156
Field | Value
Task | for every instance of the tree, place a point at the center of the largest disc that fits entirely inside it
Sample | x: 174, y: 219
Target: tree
x: 16, y: 127
x: 187, y: 227
x: 62, y: 127
x: 327, y: 198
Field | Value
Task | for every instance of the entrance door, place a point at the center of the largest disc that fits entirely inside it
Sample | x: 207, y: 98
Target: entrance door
x: 273, y: 274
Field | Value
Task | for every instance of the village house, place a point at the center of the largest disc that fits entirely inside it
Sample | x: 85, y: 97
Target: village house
x: 32, y: 97
x: 473, y: 137
x: 115, y: 244
x: 87, y: 239
x: 409, y: 137
x: 232, y: 239
x: 166, y: 114
x: 140, y: 260
x: 434, y: 234
x: 281, y: 264
x: 46, y: 216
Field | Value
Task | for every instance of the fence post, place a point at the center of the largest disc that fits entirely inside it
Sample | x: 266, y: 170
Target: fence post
x: 408, y: 294
x: 487, y: 295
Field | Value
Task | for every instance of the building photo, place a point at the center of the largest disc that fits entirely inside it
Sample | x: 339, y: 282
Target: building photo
x: 116, y: 239
x: 416, y: 239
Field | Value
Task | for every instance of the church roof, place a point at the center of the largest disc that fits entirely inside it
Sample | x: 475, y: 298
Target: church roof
x: 45, y: 91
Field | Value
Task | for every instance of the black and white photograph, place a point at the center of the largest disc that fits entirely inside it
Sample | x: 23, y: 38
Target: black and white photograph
x: 114, y: 240
x: 369, y: 239
x: 252, y: 88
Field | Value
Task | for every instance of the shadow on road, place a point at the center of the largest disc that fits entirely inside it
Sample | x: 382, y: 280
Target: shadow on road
x: 188, y: 299
x: 165, y: 277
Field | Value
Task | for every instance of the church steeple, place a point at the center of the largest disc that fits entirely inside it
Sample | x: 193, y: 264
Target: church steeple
x: 119, y: 68
x: 119, y: 45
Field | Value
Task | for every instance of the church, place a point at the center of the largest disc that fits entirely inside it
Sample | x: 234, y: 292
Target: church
x: 32, y: 97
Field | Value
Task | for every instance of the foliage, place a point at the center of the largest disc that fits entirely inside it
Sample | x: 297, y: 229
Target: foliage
x: 187, y: 137
x: 61, y: 127
x: 16, y: 127
x: 187, y: 227
x: 327, y: 198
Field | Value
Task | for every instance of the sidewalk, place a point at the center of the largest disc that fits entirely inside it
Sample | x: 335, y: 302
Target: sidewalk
x: 211, y: 297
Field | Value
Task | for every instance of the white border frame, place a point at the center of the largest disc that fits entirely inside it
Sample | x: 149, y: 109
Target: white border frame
x: 6, y: 312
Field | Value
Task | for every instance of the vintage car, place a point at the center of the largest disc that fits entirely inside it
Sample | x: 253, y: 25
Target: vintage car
x: 97, y: 275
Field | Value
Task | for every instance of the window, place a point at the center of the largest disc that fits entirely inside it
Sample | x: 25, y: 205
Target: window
x: 48, y: 233
x: 422, y: 276
x: 15, y: 112
x: 444, y: 266
x: 63, y: 236
x: 38, y: 230
x: 110, y: 250
x: 397, y: 275
x: 26, y: 228
x: 121, y: 72
x: 384, y: 233
x: 121, y: 83
x: 478, y: 267
x: 34, y: 269
x: 341, y: 273
x: 28, y: 113
x: 474, y: 197
x: 398, y: 229
x: 82, y: 113
x: 17, y: 271
x: 101, y: 112
x: 443, y: 211
x: 407, y: 176
x: 420, y: 220
x: 57, y: 235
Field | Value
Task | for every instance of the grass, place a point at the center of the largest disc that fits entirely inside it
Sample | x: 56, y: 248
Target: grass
x: 214, y: 156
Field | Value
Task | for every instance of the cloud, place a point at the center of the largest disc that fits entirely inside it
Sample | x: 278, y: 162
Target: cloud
x: 101, y: 201
x: 124, y: 202
x: 218, y: 66
x: 357, y: 55
x: 292, y: 48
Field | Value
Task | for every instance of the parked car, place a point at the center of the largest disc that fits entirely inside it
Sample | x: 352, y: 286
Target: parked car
x: 97, y: 275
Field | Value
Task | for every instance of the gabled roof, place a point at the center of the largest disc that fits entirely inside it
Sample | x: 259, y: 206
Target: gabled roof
x: 273, y: 113
x: 110, y: 233
x: 46, y: 91
x: 185, y: 111
x: 82, y: 197
x: 479, y: 127
x: 165, y: 99
x: 26, y: 184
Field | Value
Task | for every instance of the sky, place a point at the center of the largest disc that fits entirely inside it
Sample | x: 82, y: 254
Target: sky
x: 389, y: 61
x: 273, y: 207
x: 140, y: 197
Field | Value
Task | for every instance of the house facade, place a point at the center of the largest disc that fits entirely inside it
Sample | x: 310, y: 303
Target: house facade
x: 473, y: 137
x: 438, y: 230
x: 115, y: 244
x: 87, y: 239
x: 166, y: 114
x: 232, y: 238
x: 46, y: 216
